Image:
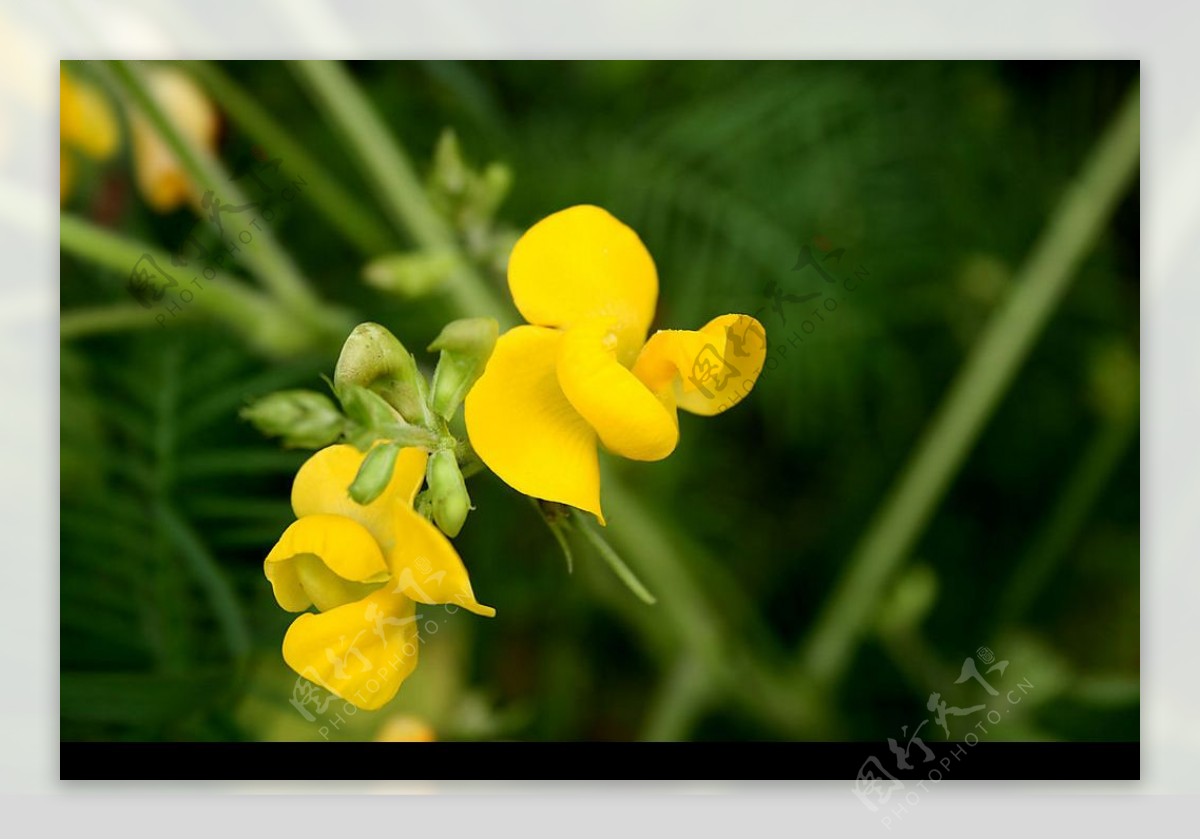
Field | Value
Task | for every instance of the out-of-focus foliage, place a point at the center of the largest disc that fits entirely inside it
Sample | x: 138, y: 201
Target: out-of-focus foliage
x: 932, y: 180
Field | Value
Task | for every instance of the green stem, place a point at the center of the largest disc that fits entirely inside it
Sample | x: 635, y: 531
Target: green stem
x: 684, y: 694
x: 613, y: 559
x: 262, y: 321
x: 387, y: 167
x: 972, y: 397
x: 340, y: 209
x: 91, y: 320
x: 1096, y: 466
x: 269, y: 262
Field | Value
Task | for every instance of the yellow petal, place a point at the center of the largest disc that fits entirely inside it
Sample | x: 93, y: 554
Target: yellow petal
x: 361, y: 651
x: 426, y: 568
x: 324, y: 560
x: 323, y: 486
x: 630, y: 420
x: 582, y: 262
x: 709, y: 370
x: 86, y: 121
x: 522, y: 426
x: 161, y: 178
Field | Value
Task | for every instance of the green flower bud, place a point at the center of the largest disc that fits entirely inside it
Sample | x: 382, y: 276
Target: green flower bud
x: 375, y: 473
x: 465, y: 345
x: 374, y: 358
x: 494, y: 185
x: 303, y: 419
x: 447, y: 492
x: 410, y: 275
x: 450, y: 173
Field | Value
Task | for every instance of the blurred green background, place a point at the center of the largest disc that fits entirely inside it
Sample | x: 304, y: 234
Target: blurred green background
x: 933, y: 180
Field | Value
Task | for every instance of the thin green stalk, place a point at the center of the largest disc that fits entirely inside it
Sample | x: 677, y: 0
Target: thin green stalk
x: 265, y: 258
x: 389, y: 170
x: 263, y: 322
x: 1074, y: 226
x: 683, y: 696
x: 1090, y: 476
x: 341, y: 210
x: 613, y: 560
x: 92, y: 320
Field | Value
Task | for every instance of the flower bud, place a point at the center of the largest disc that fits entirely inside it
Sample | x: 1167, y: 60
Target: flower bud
x: 449, y: 174
x: 374, y: 358
x: 448, y: 492
x: 303, y: 419
x: 465, y: 345
x: 410, y: 275
x: 374, y: 474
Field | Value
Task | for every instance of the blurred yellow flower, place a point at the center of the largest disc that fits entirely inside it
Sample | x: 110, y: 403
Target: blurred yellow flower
x: 364, y: 568
x: 87, y: 125
x: 405, y: 728
x: 161, y: 178
x: 583, y: 370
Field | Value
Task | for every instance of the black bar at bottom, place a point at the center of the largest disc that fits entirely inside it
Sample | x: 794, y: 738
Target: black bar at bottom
x: 585, y: 760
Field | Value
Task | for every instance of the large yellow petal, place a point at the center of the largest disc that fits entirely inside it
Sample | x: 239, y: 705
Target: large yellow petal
x: 86, y: 121
x: 582, y: 262
x: 629, y: 418
x: 361, y: 651
x: 426, y: 568
x: 324, y: 560
x: 161, y: 178
x: 323, y: 486
x: 522, y: 426
x: 708, y: 370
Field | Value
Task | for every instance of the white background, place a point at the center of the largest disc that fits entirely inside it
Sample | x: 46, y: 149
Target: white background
x: 34, y: 35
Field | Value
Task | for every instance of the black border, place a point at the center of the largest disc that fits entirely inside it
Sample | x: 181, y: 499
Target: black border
x: 572, y: 760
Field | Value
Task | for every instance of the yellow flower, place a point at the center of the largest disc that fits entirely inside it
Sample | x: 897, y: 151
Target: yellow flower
x: 161, y: 178
x: 364, y: 568
x: 583, y: 370
x: 86, y: 125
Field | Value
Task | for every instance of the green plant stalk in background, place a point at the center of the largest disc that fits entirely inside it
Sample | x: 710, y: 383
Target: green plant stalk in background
x: 262, y: 321
x: 976, y: 391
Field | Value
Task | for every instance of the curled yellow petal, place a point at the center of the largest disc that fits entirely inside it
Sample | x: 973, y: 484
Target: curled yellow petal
x: 426, y: 568
x: 323, y: 482
x: 86, y: 120
x: 708, y: 370
x: 524, y: 428
x: 161, y: 178
x: 629, y: 418
x: 324, y: 560
x: 580, y: 263
x: 361, y: 651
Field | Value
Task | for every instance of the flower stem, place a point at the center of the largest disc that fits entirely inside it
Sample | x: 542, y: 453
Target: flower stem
x: 613, y: 559
x: 1070, y: 233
